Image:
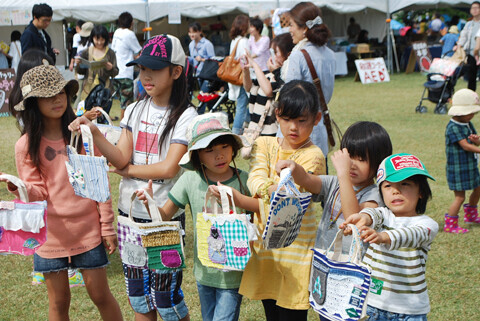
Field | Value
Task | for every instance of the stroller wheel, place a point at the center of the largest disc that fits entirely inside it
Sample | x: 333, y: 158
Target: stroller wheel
x: 442, y: 109
x: 421, y: 109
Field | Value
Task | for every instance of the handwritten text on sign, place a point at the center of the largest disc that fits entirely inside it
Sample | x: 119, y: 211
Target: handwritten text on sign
x: 372, y: 70
x: 7, y: 80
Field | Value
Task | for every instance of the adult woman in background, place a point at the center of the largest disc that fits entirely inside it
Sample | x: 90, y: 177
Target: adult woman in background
x: 310, y: 33
x: 258, y: 44
x: 237, y: 93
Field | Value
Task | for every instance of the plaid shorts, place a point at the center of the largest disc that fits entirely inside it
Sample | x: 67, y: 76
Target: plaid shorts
x: 124, y: 90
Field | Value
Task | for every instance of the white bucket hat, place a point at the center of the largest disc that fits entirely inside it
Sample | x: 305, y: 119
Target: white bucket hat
x: 464, y: 102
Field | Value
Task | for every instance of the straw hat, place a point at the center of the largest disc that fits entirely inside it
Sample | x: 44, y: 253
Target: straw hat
x: 453, y: 29
x: 464, y: 102
x: 44, y: 81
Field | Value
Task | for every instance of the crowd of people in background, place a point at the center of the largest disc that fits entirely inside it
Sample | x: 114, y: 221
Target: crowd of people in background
x: 163, y: 134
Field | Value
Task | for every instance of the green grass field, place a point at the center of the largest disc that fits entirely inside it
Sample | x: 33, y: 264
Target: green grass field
x: 452, y: 266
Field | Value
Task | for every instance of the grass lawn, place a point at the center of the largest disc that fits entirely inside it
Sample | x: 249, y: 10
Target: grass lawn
x: 452, y: 264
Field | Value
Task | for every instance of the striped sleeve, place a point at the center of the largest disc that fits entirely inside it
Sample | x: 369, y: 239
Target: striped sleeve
x: 414, y: 236
x: 259, y: 166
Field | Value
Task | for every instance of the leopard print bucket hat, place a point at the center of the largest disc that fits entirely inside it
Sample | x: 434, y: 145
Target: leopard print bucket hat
x: 44, y: 81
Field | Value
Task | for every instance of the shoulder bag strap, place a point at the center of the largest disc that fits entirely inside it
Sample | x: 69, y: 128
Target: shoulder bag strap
x: 235, y: 48
x: 323, y: 103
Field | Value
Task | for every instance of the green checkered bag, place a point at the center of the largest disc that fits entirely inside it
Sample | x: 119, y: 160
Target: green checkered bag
x: 223, y: 239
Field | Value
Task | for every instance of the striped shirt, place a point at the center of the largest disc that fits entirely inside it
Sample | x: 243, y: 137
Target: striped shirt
x: 281, y: 274
x: 398, y: 269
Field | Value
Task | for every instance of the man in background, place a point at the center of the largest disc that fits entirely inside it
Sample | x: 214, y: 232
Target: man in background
x: 35, y: 35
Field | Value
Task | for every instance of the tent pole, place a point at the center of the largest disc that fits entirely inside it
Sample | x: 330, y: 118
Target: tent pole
x: 147, y: 18
x: 389, y: 40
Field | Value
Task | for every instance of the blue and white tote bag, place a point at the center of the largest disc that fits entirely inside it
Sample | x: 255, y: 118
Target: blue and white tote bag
x: 87, y: 173
x: 287, y: 208
x: 339, y: 283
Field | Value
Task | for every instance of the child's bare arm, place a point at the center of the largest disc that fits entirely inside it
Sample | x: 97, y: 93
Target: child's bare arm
x: 468, y: 146
x: 310, y: 182
x: 342, y: 163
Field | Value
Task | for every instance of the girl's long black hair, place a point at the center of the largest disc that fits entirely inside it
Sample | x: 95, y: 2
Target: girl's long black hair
x: 34, y: 127
x: 178, y: 103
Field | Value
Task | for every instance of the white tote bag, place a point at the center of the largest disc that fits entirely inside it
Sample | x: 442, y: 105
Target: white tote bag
x: 111, y: 132
x: 87, y: 173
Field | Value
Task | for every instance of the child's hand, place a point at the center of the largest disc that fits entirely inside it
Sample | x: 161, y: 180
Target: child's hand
x: 359, y: 219
x: 342, y: 162
x: 141, y: 192
x: 214, y: 190
x: 282, y: 164
x: 110, y: 242
x: 11, y: 187
x: 108, y: 65
x: 75, y: 125
x: 368, y: 234
x: 474, y: 138
x: 92, y: 113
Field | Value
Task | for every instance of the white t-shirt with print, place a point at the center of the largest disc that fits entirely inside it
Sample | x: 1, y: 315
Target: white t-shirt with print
x: 147, y: 121
x: 125, y: 45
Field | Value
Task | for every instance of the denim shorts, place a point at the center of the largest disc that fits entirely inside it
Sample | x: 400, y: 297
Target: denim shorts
x: 382, y: 315
x: 94, y: 259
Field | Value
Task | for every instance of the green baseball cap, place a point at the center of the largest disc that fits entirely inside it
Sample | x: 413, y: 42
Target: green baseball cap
x: 396, y: 168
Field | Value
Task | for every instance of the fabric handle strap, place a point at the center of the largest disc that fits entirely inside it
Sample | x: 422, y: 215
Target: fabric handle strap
x: 323, y: 103
x: 22, y: 189
x: 107, y: 117
x: 152, y: 208
x: 287, y: 182
x: 355, y: 247
x: 225, y: 193
x: 87, y: 140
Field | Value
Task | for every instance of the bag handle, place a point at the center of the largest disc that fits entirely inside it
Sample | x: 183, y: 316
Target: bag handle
x: 287, y: 183
x: 235, y: 49
x: 87, y: 139
x: 22, y: 189
x: 355, y: 247
x: 152, y: 207
x: 323, y: 103
x: 105, y: 114
x: 225, y: 193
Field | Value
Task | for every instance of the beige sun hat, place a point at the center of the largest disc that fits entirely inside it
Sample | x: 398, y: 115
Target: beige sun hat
x: 87, y: 28
x: 464, y: 102
x: 203, y: 130
x: 453, y: 29
x: 44, y: 81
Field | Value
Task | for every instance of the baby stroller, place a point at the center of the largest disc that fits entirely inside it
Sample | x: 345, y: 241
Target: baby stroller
x: 441, y: 81
x: 216, y: 99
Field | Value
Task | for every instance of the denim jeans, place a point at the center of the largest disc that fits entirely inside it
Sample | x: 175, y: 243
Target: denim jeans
x: 219, y: 304
x: 241, y: 112
x: 382, y: 315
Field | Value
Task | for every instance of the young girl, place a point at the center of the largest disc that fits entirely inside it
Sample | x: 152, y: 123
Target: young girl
x: 399, y: 239
x: 78, y: 228
x: 212, y: 147
x: 279, y: 277
x: 363, y: 147
x: 462, y: 143
x: 263, y: 87
x: 151, y: 145
x: 99, y: 51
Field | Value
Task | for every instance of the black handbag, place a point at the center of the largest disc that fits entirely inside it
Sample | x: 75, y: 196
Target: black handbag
x: 209, y: 70
x: 99, y: 97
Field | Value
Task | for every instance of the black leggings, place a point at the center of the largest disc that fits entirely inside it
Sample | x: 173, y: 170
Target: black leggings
x: 275, y: 313
x: 471, y: 72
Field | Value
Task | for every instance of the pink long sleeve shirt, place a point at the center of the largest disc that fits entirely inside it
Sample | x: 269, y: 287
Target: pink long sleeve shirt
x: 74, y: 224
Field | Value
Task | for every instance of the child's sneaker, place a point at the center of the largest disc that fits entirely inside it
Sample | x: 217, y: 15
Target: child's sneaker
x: 37, y: 278
x: 75, y: 278
x: 451, y: 225
x: 471, y: 214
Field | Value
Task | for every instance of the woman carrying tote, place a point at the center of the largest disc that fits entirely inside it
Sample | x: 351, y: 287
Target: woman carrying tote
x: 310, y: 33
x: 237, y: 93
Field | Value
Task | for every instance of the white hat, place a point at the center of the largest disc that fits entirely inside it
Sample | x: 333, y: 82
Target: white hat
x: 464, y: 102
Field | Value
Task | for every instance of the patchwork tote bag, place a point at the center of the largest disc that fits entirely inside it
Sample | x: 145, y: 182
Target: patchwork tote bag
x: 155, y: 245
x: 110, y: 132
x: 287, y: 208
x: 223, y: 238
x: 23, y: 224
x: 339, y: 283
x: 87, y: 173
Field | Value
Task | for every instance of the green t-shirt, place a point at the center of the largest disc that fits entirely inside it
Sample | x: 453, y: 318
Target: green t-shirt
x: 190, y: 189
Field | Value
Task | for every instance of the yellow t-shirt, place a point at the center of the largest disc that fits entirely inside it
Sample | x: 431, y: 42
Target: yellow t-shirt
x: 281, y: 274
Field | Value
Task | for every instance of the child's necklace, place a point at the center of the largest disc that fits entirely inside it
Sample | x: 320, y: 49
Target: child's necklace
x: 149, y: 149
x: 292, y: 157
